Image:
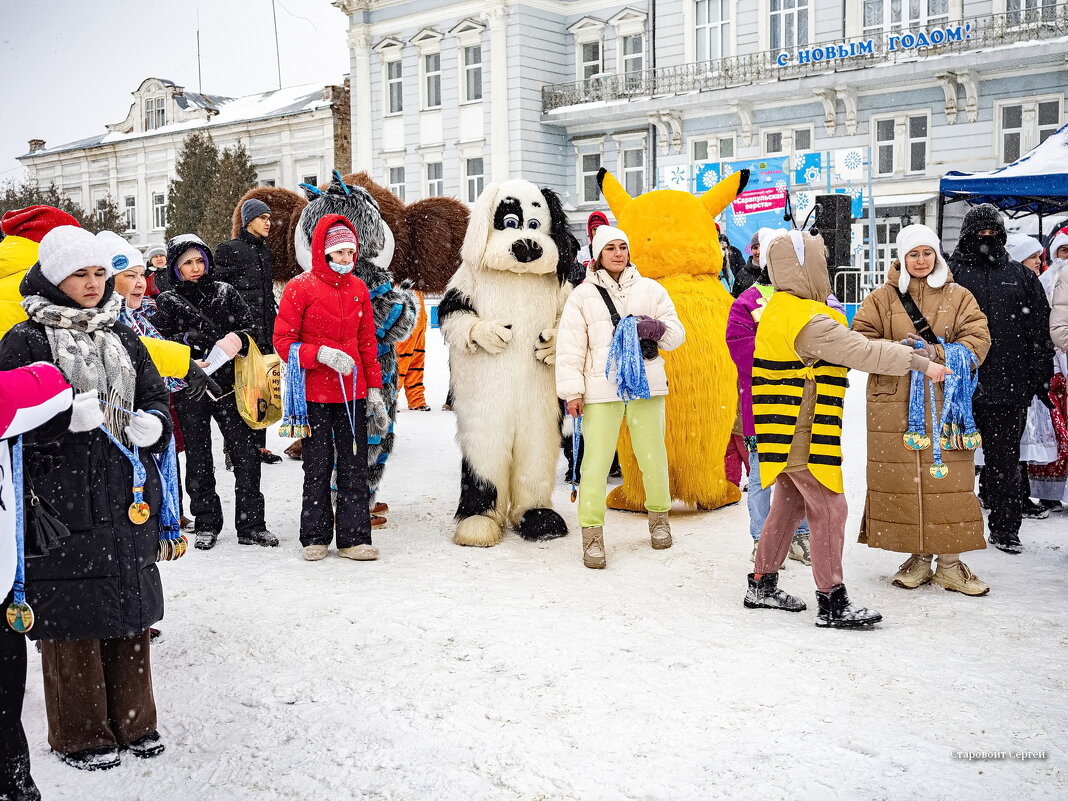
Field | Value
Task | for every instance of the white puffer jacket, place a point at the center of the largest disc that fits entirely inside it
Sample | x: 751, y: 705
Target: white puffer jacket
x: 584, y: 336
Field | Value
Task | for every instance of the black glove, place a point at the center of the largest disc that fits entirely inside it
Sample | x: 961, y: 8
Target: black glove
x: 200, y: 382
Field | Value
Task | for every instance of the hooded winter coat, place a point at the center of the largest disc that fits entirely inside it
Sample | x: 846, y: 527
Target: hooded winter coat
x: 102, y: 582
x: 1020, y: 362
x: 584, y: 336
x: 320, y: 308
x: 907, y: 509
x: 1058, y: 317
x: 741, y: 340
x: 247, y: 265
x: 200, y: 313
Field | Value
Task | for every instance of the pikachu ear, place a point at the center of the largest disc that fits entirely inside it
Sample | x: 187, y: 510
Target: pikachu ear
x: 613, y: 192
x: 719, y: 196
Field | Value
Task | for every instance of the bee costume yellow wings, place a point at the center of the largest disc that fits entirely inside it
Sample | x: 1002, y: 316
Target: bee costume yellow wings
x: 673, y: 240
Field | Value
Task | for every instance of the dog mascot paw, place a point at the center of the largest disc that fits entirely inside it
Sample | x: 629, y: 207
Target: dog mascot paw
x: 499, y: 317
x: 673, y: 239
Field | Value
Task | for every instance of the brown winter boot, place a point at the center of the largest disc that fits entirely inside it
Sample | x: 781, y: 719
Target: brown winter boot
x: 593, y: 547
x: 659, y: 530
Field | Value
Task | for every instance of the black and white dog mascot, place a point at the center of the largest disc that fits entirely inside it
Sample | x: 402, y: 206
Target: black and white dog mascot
x: 499, y: 316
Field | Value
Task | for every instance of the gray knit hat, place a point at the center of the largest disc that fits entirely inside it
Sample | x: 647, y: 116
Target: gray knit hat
x: 155, y: 249
x: 251, y: 209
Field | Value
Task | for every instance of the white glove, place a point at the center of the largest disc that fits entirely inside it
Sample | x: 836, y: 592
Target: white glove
x: 230, y: 344
x: 335, y: 359
x: 492, y: 336
x: 144, y: 429
x: 85, y: 412
x: 545, y: 350
x: 376, y: 409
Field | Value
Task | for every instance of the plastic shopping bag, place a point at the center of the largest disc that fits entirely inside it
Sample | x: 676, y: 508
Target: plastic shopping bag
x: 258, y: 387
x: 1039, y: 442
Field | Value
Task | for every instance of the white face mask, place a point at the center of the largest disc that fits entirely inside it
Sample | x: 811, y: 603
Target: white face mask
x: 342, y: 269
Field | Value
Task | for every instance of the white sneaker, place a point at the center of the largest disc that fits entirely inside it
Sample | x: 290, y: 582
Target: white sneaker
x: 313, y: 553
x: 799, y: 549
x: 361, y: 553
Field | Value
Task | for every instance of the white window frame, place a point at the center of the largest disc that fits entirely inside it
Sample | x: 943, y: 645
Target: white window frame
x: 706, y: 31
x: 388, y: 82
x: 634, y: 179
x: 582, y: 151
x: 130, y: 211
x: 910, y: 167
x: 155, y: 113
x: 582, y: 64
x: 434, y: 187
x: 788, y: 141
x: 313, y: 182
x: 1029, y: 130
x: 474, y: 183
x: 622, y: 58
x: 588, y: 31
x: 466, y: 70
x: 888, y: 24
x: 1039, y: 138
x: 396, y: 183
x: 159, y: 210
x: 901, y: 143
x: 713, y: 147
x: 768, y: 19
x: 1031, y: 12
x: 426, y: 75
x: 892, y: 143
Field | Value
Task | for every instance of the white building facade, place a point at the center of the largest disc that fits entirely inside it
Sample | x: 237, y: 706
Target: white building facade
x: 293, y: 135
x: 449, y: 95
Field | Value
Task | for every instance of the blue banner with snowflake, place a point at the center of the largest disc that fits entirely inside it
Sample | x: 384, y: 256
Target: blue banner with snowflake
x: 762, y: 203
x: 808, y: 169
x: 705, y: 176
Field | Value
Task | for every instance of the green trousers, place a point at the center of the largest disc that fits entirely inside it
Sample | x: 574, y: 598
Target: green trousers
x: 600, y: 431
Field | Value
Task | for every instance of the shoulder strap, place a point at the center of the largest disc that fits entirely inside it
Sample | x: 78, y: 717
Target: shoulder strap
x: 608, y: 302
x: 923, y: 328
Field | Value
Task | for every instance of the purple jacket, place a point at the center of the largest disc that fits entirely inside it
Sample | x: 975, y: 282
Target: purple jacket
x: 741, y: 341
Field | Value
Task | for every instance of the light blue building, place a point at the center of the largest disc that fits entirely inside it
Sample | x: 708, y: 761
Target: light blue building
x: 450, y: 95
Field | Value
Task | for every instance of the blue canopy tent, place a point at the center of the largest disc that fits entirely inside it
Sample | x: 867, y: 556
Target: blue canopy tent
x: 1036, y: 183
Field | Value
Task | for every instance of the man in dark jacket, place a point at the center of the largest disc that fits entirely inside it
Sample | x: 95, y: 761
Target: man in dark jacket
x: 746, y: 276
x: 1017, y: 368
x: 247, y: 265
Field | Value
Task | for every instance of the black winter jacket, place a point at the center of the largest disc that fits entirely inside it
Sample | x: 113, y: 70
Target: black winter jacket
x: 247, y: 265
x: 745, y: 278
x: 199, y: 314
x: 103, y: 581
x: 1020, y: 362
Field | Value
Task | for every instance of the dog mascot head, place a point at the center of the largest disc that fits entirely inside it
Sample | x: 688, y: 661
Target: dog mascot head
x: 672, y: 232
x: 517, y: 227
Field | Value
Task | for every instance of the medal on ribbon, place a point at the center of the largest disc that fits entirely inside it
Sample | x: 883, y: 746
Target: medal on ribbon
x: 19, y: 614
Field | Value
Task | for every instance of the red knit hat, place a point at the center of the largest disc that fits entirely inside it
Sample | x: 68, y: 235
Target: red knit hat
x: 339, y: 236
x: 34, y: 222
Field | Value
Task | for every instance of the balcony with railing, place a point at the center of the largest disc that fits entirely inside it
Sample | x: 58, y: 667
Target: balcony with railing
x: 977, y: 33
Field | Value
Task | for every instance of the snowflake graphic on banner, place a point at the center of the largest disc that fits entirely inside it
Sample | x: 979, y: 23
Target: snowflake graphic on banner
x: 812, y: 174
x: 802, y: 200
x: 780, y: 185
x: 709, y: 179
x: 853, y: 160
x: 855, y: 191
x: 738, y: 218
x: 849, y: 165
x: 799, y: 161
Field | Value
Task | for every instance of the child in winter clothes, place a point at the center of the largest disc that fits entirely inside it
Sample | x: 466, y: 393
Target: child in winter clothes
x: 802, y: 354
x: 327, y: 313
x: 583, y: 342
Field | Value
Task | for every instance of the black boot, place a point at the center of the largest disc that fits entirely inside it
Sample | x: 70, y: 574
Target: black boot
x: 1032, y: 510
x: 765, y: 594
x: 1007, y: 543
x: 836, y: 612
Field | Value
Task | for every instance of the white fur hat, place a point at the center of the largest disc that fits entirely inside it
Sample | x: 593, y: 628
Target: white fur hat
x: 1020, y: 246
x: 764, y: 237
x: 605, y: 234
x: 123, y: 254
x: 911, y: 237
x: 1059, y: 241
x: 66, y: 249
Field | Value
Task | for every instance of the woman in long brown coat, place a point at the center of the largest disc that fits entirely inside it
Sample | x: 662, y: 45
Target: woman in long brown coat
x: 908, y: 510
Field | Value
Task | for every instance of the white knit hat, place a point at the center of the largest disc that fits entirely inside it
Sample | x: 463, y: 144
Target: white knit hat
x: 66, y: 249
x: 123, y: 254
x: 1021, y: 246
x: 605, y: 234
x: 911, y: 237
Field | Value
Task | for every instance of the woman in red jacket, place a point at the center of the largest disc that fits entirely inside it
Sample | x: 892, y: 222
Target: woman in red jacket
x: 325, y: 332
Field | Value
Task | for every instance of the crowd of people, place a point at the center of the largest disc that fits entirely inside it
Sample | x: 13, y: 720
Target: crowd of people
x: 117, y: 364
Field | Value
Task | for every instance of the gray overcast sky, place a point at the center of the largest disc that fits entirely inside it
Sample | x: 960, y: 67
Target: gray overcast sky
x: 69, y: 66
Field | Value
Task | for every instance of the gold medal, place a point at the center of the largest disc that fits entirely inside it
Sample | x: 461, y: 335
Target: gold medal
x: 939, y: 470
x: 916, y: 442
x: 139, y: 512
x: 20, y: 617
x: 973, y: 441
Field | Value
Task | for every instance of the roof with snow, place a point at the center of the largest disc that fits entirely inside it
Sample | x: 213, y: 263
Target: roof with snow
x: 1036, y: 183
x: 223, y: 111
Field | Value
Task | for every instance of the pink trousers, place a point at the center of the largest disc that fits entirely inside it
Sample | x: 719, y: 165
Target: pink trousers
x: 736, y: 458
x: 797, y: 495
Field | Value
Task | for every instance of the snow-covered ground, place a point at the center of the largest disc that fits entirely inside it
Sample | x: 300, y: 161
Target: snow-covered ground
x: 513, y: 672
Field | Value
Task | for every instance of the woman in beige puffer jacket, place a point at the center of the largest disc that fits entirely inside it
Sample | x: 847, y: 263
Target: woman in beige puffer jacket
x: 907, y: 509
x: 583, y: 341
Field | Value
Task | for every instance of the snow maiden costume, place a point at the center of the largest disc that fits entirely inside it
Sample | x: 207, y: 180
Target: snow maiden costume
x: 803, y: 351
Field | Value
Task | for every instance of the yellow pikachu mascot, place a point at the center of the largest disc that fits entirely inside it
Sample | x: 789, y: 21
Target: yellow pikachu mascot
x: 673, y: 239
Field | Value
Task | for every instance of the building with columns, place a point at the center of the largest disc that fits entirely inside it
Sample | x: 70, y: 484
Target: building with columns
x: 449, y: 95
x: 292, y: 135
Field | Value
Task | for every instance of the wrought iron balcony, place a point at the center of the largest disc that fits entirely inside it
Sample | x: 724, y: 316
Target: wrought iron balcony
x: 995, y: 30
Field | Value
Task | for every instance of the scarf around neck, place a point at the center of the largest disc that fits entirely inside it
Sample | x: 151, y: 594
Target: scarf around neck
x: 89, y: 352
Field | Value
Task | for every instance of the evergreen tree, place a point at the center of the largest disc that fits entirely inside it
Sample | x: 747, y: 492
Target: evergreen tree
x: 196, y: 171
x: 19, y: 195
x: 236, y: 176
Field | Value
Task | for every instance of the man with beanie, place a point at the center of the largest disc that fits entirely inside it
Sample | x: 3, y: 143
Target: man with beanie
x: 247, y: 265
x: 748, y: 273
x: 1017, y: 368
